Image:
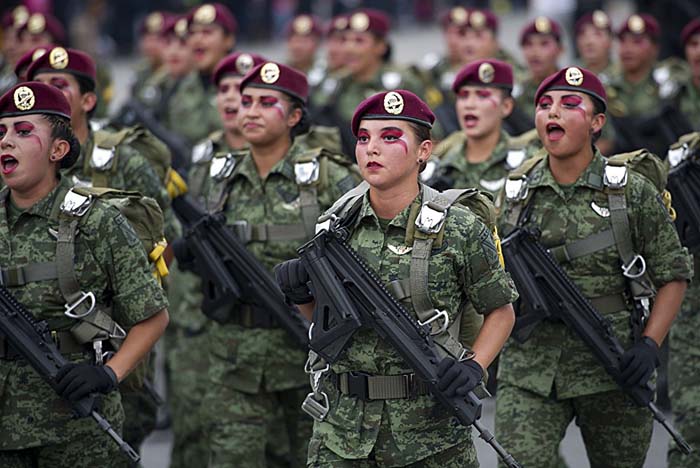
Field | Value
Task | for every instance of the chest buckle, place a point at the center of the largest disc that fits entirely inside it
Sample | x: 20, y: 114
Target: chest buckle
x: 306, y: 173
x: 615, y: 176
x: 75, y: 204
x: 102, y: 158
x: 222, y: 167
x: 430, y: 219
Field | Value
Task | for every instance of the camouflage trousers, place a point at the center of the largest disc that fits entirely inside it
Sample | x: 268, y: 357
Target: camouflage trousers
x: 252, y: 430
x: 684, y: 386
x: 616, y: 433
x: 187, y: 383
x: 83, y: 452
x: 458, y: 456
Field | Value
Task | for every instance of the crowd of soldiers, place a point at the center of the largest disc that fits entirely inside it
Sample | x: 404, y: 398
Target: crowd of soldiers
x: 93, y: 243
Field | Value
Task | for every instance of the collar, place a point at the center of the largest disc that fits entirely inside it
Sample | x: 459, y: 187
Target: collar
x: 456, y: 159
x: 592, y: 176
x: 48, y: 207
x: 246, y: 168
x: 400, y: 220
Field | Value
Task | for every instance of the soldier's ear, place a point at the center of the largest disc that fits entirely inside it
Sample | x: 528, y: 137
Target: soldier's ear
x: 508, y: 105
x: 598, y: 122
x: 294, y: 117
x: 88, y: 101
x: 59, y: 150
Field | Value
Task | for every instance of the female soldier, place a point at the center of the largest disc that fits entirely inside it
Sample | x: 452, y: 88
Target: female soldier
x: 271, y: 196
x: 408, y: 427
x: 36, y: 140
x: 574, y: 196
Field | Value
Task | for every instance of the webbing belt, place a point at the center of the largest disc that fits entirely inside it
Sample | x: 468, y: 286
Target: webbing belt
x: 379, y: 387
x: 268, y: 232
x: 580, y: 248
x: 65, y: 341
x: 33, y: 272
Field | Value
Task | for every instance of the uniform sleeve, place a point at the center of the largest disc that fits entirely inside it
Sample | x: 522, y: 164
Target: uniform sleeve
x: 135, y: 293
x: 487, y: 285
x: 657, y: 239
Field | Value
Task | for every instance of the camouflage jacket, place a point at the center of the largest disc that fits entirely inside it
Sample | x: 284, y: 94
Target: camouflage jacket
x: 524, y: 94
x: 554, y: 358
x: 688, y: 99
x: 191, y: 108
x: 108, y: 263
x: 132, y: 172
x: 488, y: 176
x: 464, y: 269
x: 631, y: 99
x: 257, y: 359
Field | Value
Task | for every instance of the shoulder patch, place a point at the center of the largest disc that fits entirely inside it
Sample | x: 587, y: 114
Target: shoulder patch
x: 129, y: 234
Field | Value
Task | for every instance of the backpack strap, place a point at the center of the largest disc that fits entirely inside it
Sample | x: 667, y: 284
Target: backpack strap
x: 102, y: 161
x: 310, y: 172
x: 342, y: 207
x: 94, y: 324
x: 517, y: 190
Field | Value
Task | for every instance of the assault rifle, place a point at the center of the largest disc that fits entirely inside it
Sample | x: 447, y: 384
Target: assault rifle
x: 684, y: 185
x: 656, y: 132
x: 230, y: 273
x: 134, y: 113
x: 547, y: 291
x: 349, y: 295
x: 31, y: 339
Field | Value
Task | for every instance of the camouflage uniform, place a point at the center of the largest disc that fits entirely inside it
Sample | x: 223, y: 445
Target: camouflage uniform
x: 524, y: 94
x: 553, y: 377
x: 7, y: 76
x: 416, y: 431
x: 143, y: 74
x: 488, y: 176
x: 688, y: 100
x: 133, y: 172
x: 256, y: 378
x: 191, y: 109
x: 188, y: 332
x: 35, y: 422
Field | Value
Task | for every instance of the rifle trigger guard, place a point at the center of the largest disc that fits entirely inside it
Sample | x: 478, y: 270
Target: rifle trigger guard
x: 439, y: 314
x: 86, y: 296
x: 641, y: 269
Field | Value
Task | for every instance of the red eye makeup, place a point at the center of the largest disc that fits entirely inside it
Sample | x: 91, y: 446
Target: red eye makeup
x: 223, y: 89
x: 395, y: 136
x: 572, y: 101
x: 246, y: 101
x: 60, y: 83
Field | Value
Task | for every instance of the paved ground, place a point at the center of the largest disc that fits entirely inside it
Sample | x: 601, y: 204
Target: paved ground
x: 410, y: 45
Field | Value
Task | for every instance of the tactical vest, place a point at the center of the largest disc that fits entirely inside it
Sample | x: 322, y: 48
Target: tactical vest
x: 425, y: 229
x: 94, y: 323
x: 614, y: 181
x: 311, y: 175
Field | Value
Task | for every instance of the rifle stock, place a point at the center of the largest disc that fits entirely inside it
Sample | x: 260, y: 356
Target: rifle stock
x: 349, y: 295
x: 230, y: 272
x: 32, y: 341
x: 536, y: 274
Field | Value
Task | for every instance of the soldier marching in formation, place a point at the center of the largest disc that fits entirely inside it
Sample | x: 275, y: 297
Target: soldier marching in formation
x: 418, y: 168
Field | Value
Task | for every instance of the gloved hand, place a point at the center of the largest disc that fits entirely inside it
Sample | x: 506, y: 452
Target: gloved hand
x: 458, y: 378
x: 78, y: 380
x: 292, y: 278
x: 638, y: 363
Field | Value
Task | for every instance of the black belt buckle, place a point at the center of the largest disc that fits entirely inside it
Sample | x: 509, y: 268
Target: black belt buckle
x: 358, y: 385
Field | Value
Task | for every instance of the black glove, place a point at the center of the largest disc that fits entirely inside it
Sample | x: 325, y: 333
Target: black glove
x: 638, y: 363
x: 458, y: 378
x: 292, y: 278
x: 76, y: 381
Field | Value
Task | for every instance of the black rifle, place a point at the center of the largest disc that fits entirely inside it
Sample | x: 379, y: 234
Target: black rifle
x: 654, y: 132
x: 349, y: 295
x: 31, y: 339
x: 684, y: 185
x: 134, y: 113
x: 230, y: 273
x: 549, y: 292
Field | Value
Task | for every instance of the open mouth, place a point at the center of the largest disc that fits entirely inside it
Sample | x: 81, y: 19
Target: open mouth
x: 373, y: 165
x: 470, y: 120
x: 8, y: 163
x: 230, y: 111
x: 554, y: 131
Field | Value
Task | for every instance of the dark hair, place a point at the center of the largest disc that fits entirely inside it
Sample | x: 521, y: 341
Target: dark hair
x: 304, y: 123
x: 421, y: 133
x: 598, y: 108
x: 388, y: 53
x: 61, y: 130
x: 86, y: 85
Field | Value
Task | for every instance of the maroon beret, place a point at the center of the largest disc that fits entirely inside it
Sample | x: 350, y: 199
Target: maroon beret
x: 155, y: 22
x: 337, y: 24
x: 273, y: 75
x: 38, y: 23
x: 393, y: 105
x: 60, y: 60
x: 34, y: 97
x: 213, y: 13
x: 489, y: 72
x: 304, y: 25
x: 541, y: 25
x: 690, y: 30
x: 27, y: 59
x: 15, y: 18
x: 597, y: 18
x: 574, y: 79
x: 369, y: 20
x: 237, y: 64
x: 641, y: 24
x: 176, y: 25
x: 470, y: 18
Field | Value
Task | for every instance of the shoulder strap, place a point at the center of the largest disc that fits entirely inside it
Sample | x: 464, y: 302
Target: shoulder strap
x: 342, y: 206
x: 516, y: 188
x: 310, y: 172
